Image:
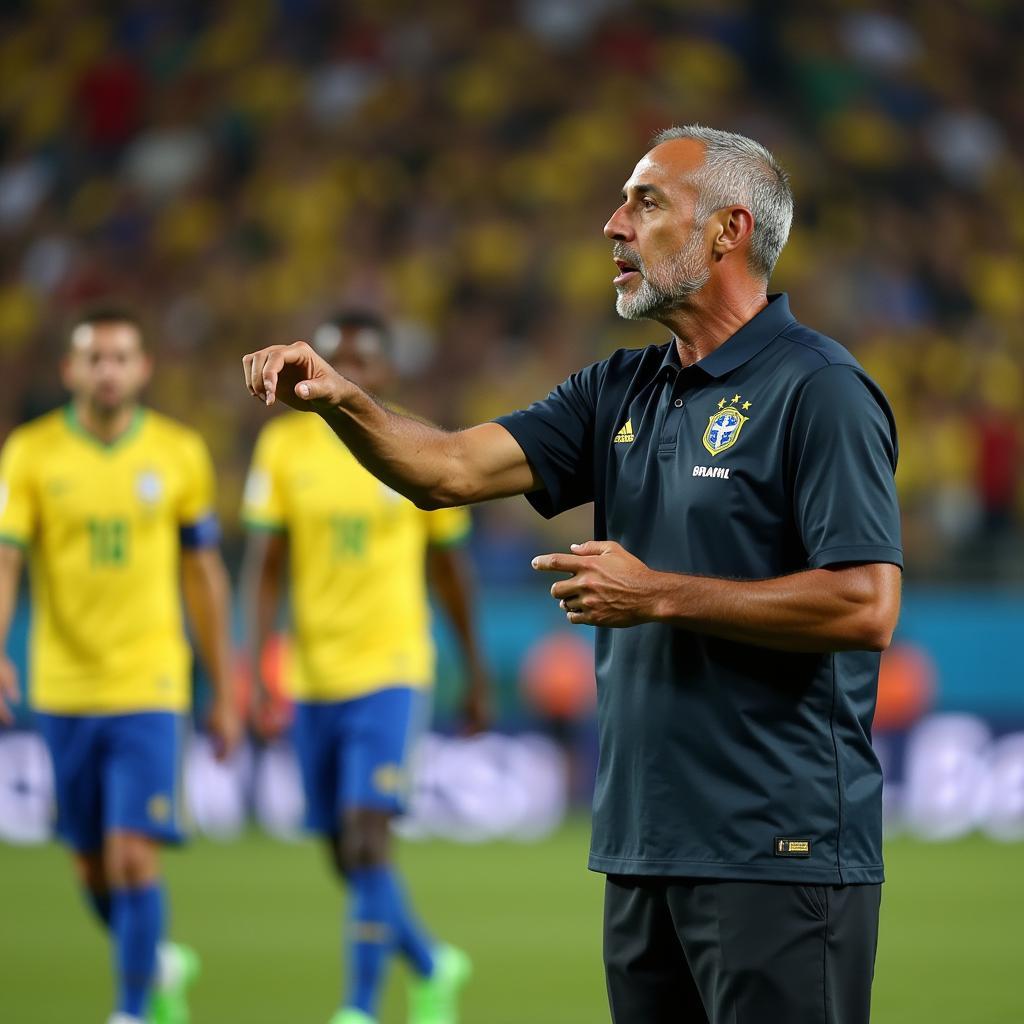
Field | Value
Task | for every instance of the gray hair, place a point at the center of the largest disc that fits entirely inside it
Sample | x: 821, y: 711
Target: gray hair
x: 738, y: 170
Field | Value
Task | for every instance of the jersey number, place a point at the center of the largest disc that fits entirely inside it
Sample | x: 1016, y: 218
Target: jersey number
x: 108, y: 541
x: 349, y: 535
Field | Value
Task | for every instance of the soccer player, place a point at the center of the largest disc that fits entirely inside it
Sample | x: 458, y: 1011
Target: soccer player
x: 113, y: 504
x: 744, y: 576
x: 363, y: 659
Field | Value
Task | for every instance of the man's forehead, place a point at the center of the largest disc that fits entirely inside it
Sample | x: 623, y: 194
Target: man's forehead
x: 85, y: 336
x: 667, y: 164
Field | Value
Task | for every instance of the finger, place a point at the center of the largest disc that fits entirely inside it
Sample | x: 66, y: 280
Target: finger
x: 271, y: 368
x: 557, y: 563
x: 310, y: 390
x: 246, y: 372
x: 566, y: 588
x: 256, y: 361
x: 579, y: 618
x: 590, y: 547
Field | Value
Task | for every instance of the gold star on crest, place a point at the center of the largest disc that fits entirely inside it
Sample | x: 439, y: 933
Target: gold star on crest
x: 735, y: 398
x: 745, y: 406
x: 721, y: 404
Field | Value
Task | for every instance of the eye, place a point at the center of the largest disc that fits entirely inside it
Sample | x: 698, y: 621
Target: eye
x: 648, y: 203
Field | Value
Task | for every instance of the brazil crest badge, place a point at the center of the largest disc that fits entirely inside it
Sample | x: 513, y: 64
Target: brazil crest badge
x: 725, y: 424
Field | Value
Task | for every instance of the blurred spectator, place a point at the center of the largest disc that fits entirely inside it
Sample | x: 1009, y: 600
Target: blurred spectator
x: 235, y: 169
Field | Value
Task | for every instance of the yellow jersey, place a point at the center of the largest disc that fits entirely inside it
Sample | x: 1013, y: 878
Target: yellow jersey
x: 103, y: 525
x: 361, y: 616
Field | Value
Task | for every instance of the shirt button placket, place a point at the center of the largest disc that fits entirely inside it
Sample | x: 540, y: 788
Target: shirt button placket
x: 670, y: 430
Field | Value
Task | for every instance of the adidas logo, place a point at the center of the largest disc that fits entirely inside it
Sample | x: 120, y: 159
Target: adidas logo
x: 625, y: 435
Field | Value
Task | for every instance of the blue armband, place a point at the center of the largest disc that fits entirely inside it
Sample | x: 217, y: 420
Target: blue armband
x: 204, y: 533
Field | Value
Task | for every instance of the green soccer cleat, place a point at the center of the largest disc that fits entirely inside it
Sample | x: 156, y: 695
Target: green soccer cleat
x: 434, y: 1000
x: 352, y: 1016
x: 178, y: 968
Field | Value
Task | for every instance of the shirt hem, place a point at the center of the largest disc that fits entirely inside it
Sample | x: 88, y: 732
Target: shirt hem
x: 790, y: 871
x: 13, y: 541
x: 93, y: 711
x: 856, y: 553
x: 364, y: 691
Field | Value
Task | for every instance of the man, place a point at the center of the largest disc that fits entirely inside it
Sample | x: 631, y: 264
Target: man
x: 364, y: 659
x: 744, y: 576
x: 112, y: 502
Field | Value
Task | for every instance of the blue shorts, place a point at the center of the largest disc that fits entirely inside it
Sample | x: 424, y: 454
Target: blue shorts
x: 352, y: 753
x: 115, y: 773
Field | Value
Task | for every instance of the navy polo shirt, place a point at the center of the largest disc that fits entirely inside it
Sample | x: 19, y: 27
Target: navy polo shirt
x: 772, y: 455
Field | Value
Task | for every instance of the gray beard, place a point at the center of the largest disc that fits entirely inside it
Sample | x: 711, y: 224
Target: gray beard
x: 674, y: 284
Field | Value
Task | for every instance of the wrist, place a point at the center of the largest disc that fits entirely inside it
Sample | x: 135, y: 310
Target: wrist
x: 344, y: 399
x: 659, y: 605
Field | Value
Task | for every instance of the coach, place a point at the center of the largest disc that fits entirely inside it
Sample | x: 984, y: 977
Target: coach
x: 744, y: 577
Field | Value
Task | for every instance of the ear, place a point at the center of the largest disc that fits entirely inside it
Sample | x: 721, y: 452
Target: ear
x: 732, y: 227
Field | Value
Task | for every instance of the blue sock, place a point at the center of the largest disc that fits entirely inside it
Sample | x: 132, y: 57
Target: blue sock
x: 100, y: 903
x: 371, y: 936
x: 137, y: 920
x: 410, y: 936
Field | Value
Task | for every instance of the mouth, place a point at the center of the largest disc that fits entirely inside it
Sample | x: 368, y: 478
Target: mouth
x: 626, y: 271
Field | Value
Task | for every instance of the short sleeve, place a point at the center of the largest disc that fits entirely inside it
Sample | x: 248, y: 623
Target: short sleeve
x: 18, y: 508
x: 557, y: 437
x: 842, y: 454
x: 263, y: 506
x: 448, y: 526
x: 196, y: 516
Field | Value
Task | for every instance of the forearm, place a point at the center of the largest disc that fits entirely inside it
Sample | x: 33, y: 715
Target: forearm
x: 807, y: 611
x: 414, y: 458
x: 432, y: 467
x: 207, y: 602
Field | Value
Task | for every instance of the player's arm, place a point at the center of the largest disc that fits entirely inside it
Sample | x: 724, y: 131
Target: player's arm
x: 11, y: 559
x: 263, y: 581
x: 207, y: 597
x: 432, y: 467
x: 450, y: 577
x: 846, y: 607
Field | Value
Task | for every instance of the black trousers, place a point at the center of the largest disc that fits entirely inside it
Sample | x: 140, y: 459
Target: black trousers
x: 690, y: 951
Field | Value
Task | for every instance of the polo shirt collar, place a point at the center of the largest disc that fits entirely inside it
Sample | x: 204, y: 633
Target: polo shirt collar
x: 750, y: 339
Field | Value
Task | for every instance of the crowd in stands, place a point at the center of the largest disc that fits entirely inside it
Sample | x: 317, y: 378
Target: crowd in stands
x: 238, y: 170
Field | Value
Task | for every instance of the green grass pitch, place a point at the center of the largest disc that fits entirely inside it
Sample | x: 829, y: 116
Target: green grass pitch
x: 265, y: 917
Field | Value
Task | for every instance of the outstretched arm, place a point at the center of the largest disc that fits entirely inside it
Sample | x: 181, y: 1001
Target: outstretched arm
x: 434, y: 468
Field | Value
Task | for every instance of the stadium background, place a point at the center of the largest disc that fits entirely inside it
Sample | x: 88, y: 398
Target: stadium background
x: 235, y: 171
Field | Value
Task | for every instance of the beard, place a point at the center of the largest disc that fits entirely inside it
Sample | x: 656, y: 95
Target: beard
x: 667, y: 286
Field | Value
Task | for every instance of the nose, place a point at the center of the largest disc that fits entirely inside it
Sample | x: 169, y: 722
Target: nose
x: 618, y: 228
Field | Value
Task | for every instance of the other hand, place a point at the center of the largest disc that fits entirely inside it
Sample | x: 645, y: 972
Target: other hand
x: 608, y: 585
